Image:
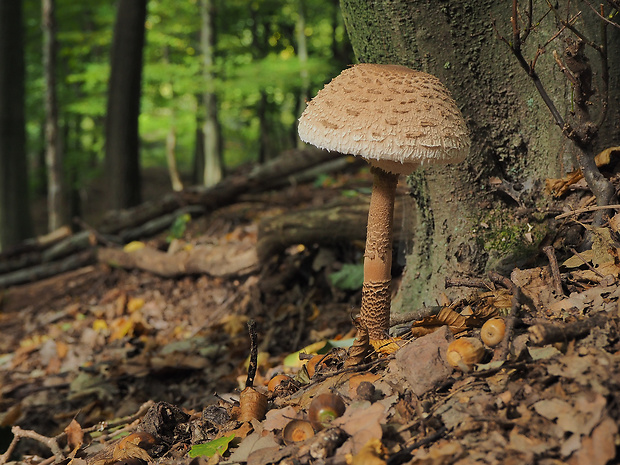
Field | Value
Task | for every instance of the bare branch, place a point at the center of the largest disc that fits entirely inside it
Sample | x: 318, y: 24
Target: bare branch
x: 601, y: 15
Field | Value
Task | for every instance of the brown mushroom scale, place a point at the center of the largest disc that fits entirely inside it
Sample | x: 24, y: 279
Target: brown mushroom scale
x: 397, y: 119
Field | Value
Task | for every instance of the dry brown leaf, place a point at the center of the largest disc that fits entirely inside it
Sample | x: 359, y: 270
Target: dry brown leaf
x: 62, y: 349
x: 446, y: 317
x: 370, y: 454
x: 128, y: 448
x: 75, y: 434
x: 599, y: 448
x: 387, y: 346
x: 277, y: 419
x: 558, y: 187
x: 253, y: 404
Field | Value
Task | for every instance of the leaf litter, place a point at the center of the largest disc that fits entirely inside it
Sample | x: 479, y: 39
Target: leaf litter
x: 136, y: 368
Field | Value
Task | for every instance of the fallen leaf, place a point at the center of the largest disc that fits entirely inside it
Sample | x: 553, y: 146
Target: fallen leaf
x: 599, y: 448
x: 252, y: 443
x: 209, y: 449
x: 75, y: 434
x: 370, y: 454
x: 277, y: 419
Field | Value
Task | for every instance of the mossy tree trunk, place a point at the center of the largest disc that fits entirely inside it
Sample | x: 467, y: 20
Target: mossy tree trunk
x: 514, y: 138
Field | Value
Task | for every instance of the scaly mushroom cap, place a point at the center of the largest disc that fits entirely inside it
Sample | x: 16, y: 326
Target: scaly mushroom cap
x: 393, y: 116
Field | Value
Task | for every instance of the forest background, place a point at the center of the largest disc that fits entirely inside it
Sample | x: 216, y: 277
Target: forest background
x: 241, y: 69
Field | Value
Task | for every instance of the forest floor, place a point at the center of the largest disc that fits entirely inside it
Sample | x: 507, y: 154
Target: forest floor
x: 126, y: 367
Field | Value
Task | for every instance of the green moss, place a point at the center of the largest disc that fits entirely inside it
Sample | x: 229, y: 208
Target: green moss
x: 500, y: 232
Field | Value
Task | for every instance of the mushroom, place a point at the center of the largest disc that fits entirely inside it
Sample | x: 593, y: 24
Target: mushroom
x: 397, y: 119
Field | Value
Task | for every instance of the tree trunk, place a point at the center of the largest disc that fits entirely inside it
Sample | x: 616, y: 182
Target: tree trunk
x: 122, y: 138
x: 57, y: 213
x: 171, y: 143
x: 302, y: 54
x: 513, y: 135
x: 198, y: 169
x: 211, y: 127
x: 15, y: 223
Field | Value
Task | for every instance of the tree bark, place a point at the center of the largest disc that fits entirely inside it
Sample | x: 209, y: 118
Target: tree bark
x: 15, y: 219
x: 122, y: 162
x: 57, y: 210
x: 513, y: 135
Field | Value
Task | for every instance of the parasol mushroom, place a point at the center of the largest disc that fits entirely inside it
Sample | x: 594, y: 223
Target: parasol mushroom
x: 397, y: 119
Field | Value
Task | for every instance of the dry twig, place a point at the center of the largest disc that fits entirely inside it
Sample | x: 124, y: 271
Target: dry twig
x: 555, y: 269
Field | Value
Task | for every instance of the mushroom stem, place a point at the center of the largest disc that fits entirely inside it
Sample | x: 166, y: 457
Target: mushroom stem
x: 376, y: 293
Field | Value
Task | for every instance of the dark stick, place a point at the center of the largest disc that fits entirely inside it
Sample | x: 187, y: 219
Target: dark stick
x: 555, y: 269
x: 249, y: 382
x: 405, y: 454
x: 503, y: 350
x: 548, y: 333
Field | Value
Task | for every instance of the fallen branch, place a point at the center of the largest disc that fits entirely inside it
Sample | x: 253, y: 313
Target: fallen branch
x: 221, y: 261
x: 555, y: 269
x: 19, y: 433
x: 46, y: 270
x: 224, y: 193
x: 549, y: 333
x: 41, y: 292
x: 343, y: 221
x: 503, y: 350
x: 586, y: 210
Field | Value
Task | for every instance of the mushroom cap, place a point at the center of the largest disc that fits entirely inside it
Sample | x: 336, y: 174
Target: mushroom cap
x: 395, y: 117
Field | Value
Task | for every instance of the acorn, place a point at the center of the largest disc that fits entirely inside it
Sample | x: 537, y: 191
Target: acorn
x: 296, y: 431
x: 325, y: 408
x: 465, y: 352
x: 311, y: 365
x: 492, y: 332
x: 277, y: 381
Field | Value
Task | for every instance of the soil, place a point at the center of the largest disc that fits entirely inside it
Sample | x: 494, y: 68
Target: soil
x: 124, y: 366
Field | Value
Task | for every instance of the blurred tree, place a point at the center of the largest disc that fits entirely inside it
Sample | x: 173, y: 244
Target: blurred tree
x: 514, y: 142
x: 57, y: 212
x: 302, y: 53
x: 122, y: 139
x: 15, y: 220
x: 211, y: 132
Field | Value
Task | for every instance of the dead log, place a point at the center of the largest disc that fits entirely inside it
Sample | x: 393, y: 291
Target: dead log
x: 224, y: 193
x: 40, y: 293
x: 36, y: 244
x: 70, y: 244
x: 224, y: 260
x: 156, y: 225
x: 45, y: 270
x: 21, y: 261
x: 342, y: 221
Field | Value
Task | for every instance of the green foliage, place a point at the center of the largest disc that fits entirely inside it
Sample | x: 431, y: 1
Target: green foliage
x: 349, y: 278
x: 209, y: 449
x: 256, y: 64
x: 178, y: 227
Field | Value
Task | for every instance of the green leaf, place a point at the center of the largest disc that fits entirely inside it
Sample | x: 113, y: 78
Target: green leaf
x: 209, y: 449
x: 178, y: 227
x: 349, y: 278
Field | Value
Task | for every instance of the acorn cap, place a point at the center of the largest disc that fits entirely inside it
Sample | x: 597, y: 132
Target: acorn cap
x: 393, y: 116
